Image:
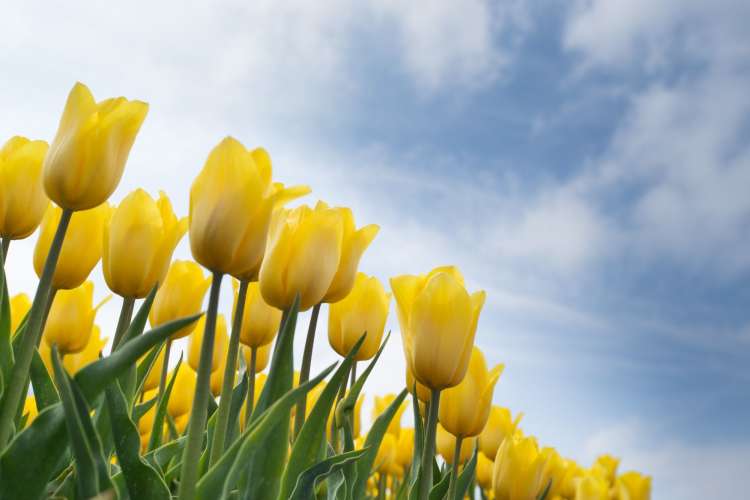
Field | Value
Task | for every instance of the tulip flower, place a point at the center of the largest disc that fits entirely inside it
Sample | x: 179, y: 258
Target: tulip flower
x: 19, y: 307
x: 386, y: 454
x: 138, y: 243
x: 260, y: 322
x: 183, y: 392
x: 592, y: 488
x: 262, y: 357
x: 606, y: 467
x: 88, y: 355
x: 520, y: 471
x: 484, y: 473
x: 499, y: 425
x: 71, y: 319
x: 422, y: 392
x: 220, y: 346
x: 81, y: 249
x: 633, y: 486
x: 557, y: 471
x: 23, y: 199
x: 354, y: 243
x: 365, y: 309
x: 446, y: 446
x: 381, y: 404
x: 180, y: 294
x: 405, y: 447
x: 85, y: 161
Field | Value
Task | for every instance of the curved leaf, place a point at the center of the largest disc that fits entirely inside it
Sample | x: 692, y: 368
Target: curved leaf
x: 305, y: 486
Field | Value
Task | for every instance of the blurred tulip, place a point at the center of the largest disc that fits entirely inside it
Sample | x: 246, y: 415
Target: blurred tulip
x: 217, y: 378
x: 231, y: 202
x: 22, y: 198
x: 71, y: 319
x: 386, y: 455
x: 381, y: 404
x: 88, y: 355
x: 592, y: 488
x: 81, y: 248
x: 446, y: 446
x: 262, y: 357
x: 484, y: 472
x: 260, y: 322
x: 29, y: 409
x: 85, y: 162
x: 154, y: 375
x: 438, y: 321
x: 465, y: 407
x: 365, y: 309
x: 221, y: 343
x: 405, y: 448
x: 19, y: 307
x: 180, y: 294
x: 606, y: 467
x: 557, y: 470
x: 499, y: 425
x: 520, y: 471
x: 633, y: 486
x: 138, y: 243
x: 302, y: 255
x: 183, y: 392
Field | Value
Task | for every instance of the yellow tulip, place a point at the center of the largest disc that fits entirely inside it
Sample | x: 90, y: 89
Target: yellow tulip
x: 386, y: 455
x: 154, y: 375
x: 499, y: 425
x: 262, y: 357
x: 88, y: 355
x: 520, y: 470
x: 221, y: 343
x: 438, y: 321
x: 181, y: 423
x: 22, y: 198
x: 180, y: 295
x: 423, y: 392
x: 573, y: 475
x: 353, y: 245
x: 217, y: 379
x: 71, y: 319
x: 302, y: 255
x: 29, y: 409
x: 260, y: 322
x: 557, y: 471
x: 592, y: 488
x: 606, y: 467
x: 231, y: 202
x: 381, y: 404
x: 464, y: 408
x: 19, y: 307
x: 85, y: 161
x: 138, y: 243
x: 81, y: 249
x: 405, y: 448
x: 484, y: 472
x: 365, y: 309
x: 183, y: 392
x: 446, y: 446
x: 633, y: 486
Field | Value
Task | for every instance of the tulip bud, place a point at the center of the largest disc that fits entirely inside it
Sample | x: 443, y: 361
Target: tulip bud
x: 499, y: 426
x: 19, y: 307
x: 262, y: 356
x: 231, y: 202
x: 81, y: 248
x: 592, y: 488
x: 180, y: 295
x: 405, y: 448
x: 260, y: 322
x: 446, y: 446
x: 138, y: 243
x: 302, y: 256
x: 85, y: 161
x: 633, y: 486
x: 88, y: 355
x: 353, y: 244
x: 22, y: 197
x: 520, y: 470
x: 71, y: 319
x: 217, y: 379
x: 221, y: 343
x: 381, y: 404
x: 606, y: 467
x: 365, y: 309
x: 183, y: 392
x: 386, y: 455
x: 438, y: 321
x: 484, y: 472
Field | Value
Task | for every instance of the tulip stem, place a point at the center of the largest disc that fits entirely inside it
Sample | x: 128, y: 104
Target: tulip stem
x: 304, y: 372
x: 197, y: 424
x: 31, y: 334
x: 123, y: 322
x: 454, y: 469
x: 6, y: 245
x: 353, y: 377
x: 428, y: 452
x: 164, y: 368
x: 230, y: 368
x: 251, y: 386
x: 381, y: 486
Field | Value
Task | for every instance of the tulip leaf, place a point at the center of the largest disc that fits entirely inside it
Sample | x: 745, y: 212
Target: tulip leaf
x: 141, y: 409
x: 145, y: 367
x: 155, y: 441
x: 161, y: 456
x: 238, y: 398
x: 466, y: 476
x: 129, y: 380
x: 45, y: 393
x: 418, y: 437
x: 141, y: 478
x: 440, y: 490
x: 305, y: 485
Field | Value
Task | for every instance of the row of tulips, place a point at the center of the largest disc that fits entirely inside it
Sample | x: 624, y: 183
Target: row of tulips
x: 109, y: 415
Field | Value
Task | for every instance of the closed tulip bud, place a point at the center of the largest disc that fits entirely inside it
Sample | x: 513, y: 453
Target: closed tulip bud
x: 520, y: 470
x: 22, y: 197
x: 606, y: 467
x: 88, y: 355
x: 183, y: 392
x: 138, y: 243
x: 592, y: 488
x: 557, y: 470
x: 260, y: 322
x: 484, y: 472
x: 71, y: 319
x: 381, y: 404
x: 302, y: 255
x: 180, y: 295
x: 465, y: 407
x: 423, y: 392
x: 353, y: 245
x: 386, y: 455
x: 29, y: 409
x: 231, y: 202
x: 81, y: 248
x: 19, y: 307
x: 499, y: 425
x: 221, y: 343
x: 446, y: 446
x: 405, y: 451
x: 262, y: 357
x: 633, y: 486
x: 154, y: 375
x: 85, y: 161
x: 365, y: 309
x: 438, y: 321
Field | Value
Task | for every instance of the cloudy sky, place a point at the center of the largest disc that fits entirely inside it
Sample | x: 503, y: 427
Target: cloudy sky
x: 585, y: 162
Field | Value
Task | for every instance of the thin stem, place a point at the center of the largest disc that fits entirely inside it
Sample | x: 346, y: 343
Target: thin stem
x: 381, y: 486
x: 334, y: 431
x: 454, y: 470
x: 164, y: 368
x: 197, y: 424
x: 304, y: 372
x: 6, y: 245
x: 123, y: 322
x: 251, y: 386
x: 353, y: 378
x: 20, y: 370
x: 230, y: 368
x: 428, y: 453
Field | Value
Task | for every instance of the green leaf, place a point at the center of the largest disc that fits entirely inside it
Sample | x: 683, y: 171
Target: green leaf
x: 440, y: 490
x: 141, y: 478
x: 129, y: 379
x: 419, y: 438
x: 145, y: 366
x: 466, y: 477
x: 161, y: 456
x: 141, y: 409
x: 238, y: 398
x: 45, y: 393
x: 161, y: 410
x: 305, y: 486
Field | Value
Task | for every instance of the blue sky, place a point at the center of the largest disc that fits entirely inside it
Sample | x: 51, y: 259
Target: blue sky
x: 586, y: 163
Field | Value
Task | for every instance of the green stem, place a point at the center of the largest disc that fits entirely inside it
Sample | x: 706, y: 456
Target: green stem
x: 6, y: 245
x: 230, y: 368
x: 20, y: 370
x: 251, y: 386
x: 381, y: 486
x: 353, y: 378
x: 164, y: 369
x: 304, y: 372
x: 197, y: 424
x: 428, y: 452
x: 123, y: 322
x: 454, y: 469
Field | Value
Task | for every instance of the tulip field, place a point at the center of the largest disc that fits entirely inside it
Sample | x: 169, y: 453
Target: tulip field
x: 92, y: 410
